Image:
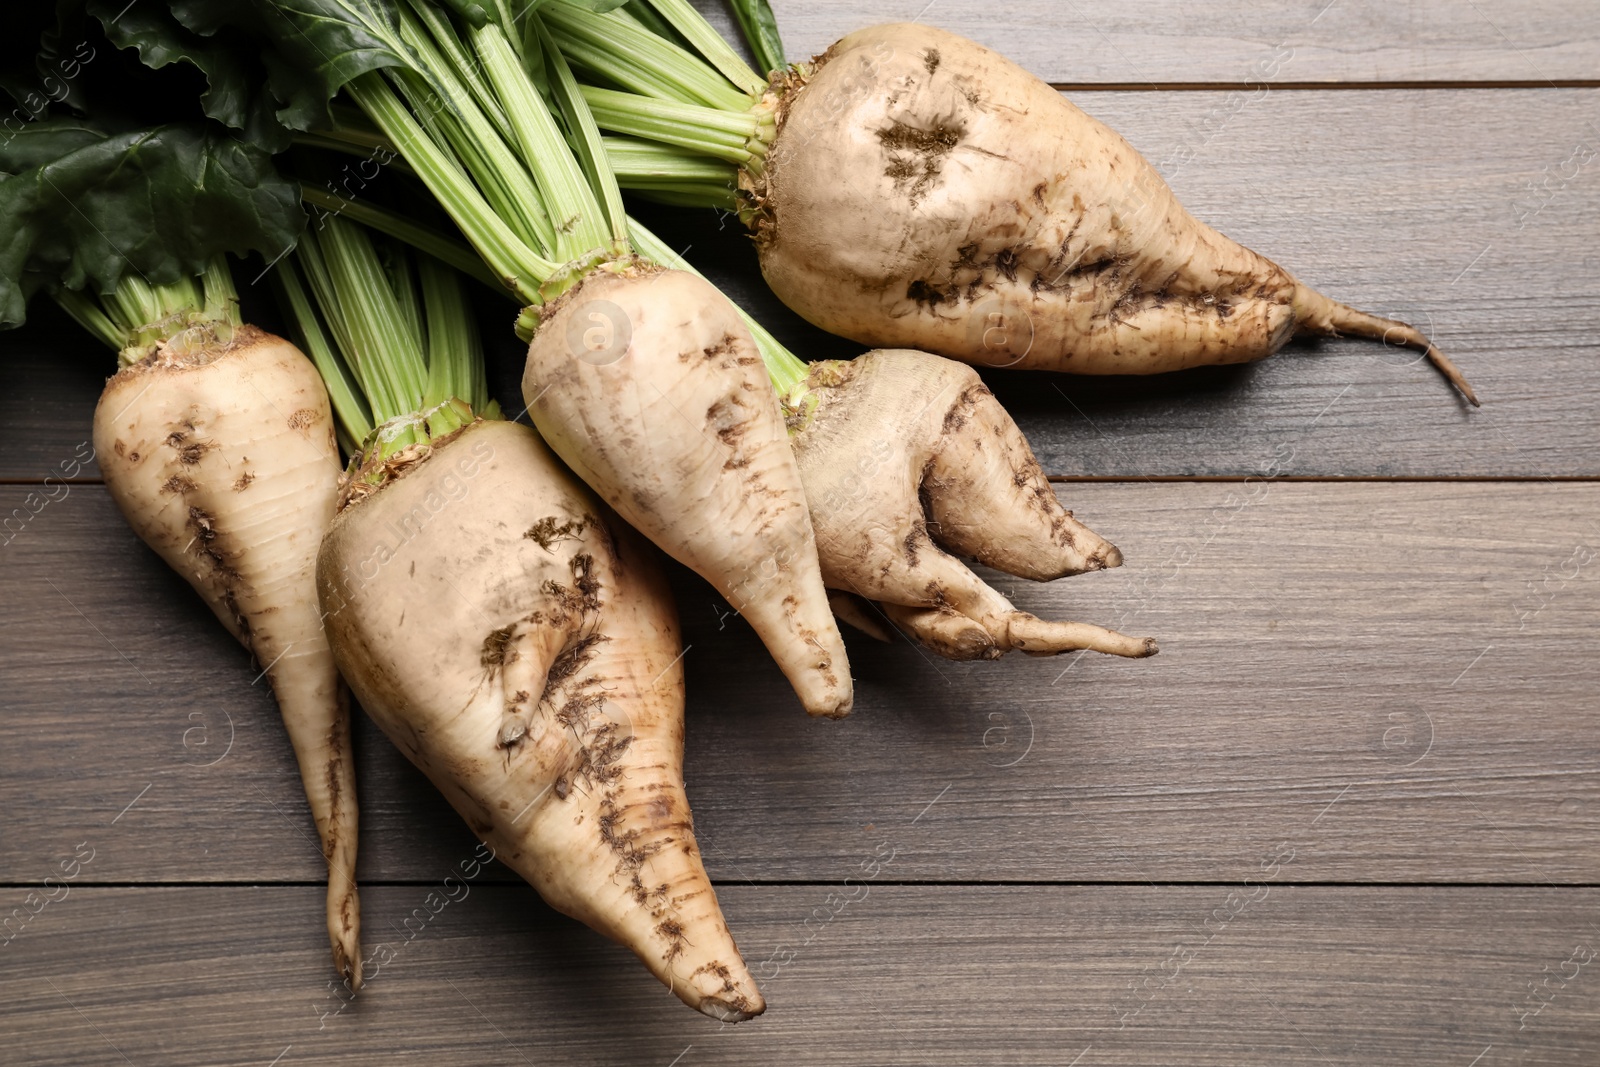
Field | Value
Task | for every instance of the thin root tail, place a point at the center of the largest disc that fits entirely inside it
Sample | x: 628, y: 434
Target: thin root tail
x: 1041, y: 637
x: 1320, y: 315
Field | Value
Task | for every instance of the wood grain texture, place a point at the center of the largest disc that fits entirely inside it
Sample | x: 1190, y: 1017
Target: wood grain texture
x: 905, y: 975
x: 1397, y: 678
x: 1414, y: 204
x: 1175, y: 42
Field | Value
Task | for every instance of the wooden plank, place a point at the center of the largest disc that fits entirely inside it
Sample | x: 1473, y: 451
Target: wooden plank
x: 905, y: 975
x: 1172, y: 42
x: 1393, y: 676
x: 132, y: 719
x: 51, y: 374
x: 1403, y: 202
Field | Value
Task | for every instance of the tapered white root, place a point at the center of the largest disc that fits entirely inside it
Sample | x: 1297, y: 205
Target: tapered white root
x: 223, y: 460
x: 668, y: 416
x: 907, y: 458
x: 519, y: 645
x: 988, y: 219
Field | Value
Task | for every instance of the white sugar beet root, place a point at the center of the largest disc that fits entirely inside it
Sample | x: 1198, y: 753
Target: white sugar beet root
x: 523, y: 652
x: 222, y: 458
x: 925, y: 192
x: 909, y: 462
x: 674, y: 424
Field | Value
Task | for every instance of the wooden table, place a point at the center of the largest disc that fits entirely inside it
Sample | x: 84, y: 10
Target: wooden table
x: 1350, y: 815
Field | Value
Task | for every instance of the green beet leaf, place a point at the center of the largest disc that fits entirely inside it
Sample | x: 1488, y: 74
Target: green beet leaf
x: 83, y: 205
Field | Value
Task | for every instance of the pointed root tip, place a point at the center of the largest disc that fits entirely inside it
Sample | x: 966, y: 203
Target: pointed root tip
x: 347, y: 964
x: 831, y: 709
x: 1097, y: 555
x: 727, y: 994
x: 722, y: 1011
x: 971, y: 643
x: 1452, y: 373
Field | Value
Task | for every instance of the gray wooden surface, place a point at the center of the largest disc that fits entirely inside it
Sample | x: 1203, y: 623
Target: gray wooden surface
x: 906, y: 975
x: 1177, y: 42
x: 1351, y: 814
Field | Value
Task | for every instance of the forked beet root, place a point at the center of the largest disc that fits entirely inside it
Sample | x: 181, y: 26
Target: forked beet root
x: 923, y: 191
x: 908, y: 462
x: 520, y: 647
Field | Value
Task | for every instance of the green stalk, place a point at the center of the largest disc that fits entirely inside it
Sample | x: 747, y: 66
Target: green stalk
x: 517, y: 265
x: 87, y: 313
x: 397, y: 268
x: 382, y: 336
x: 439, y: 35
x: 580, y: 225
x: 709, y: 43
x: 664, y: 98
x: 687, y: 194
x: 355, y: 420
x: 451, y: 339
x: 477, y: 144
x: 645, y: 15
x: 135, y: 317
x: 613, y: 46
x: 399, y: 354
x: 633, y: 159
x: 414, y: 234
x: 587, y: 144
x: 348, y: 142
x: 707, y: 131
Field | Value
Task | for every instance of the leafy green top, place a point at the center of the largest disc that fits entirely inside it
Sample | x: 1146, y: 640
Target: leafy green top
x: 84, y: 203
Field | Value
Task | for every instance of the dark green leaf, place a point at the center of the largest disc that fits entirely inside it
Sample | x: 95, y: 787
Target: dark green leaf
x: 63, y: 51
x: 38, y: 143
x: 599, y: 7
x: 309, y: 48
x: 237, y: 95
x: 760, y: 28
x: 158, y: 202
x: 478, y: 13
x: 41, y: 57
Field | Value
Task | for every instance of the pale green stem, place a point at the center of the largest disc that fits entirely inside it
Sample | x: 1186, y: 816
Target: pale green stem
x: 355, y: 420
x: 579, y: 222
x: 414, y: 234
x: 709, y: 43
x: 633, y: 57
x: 513, y: 261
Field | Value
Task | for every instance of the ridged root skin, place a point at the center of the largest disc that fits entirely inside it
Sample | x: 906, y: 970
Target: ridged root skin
x: 989, y: 220
x: 519, y: 645
x: 647, y: 384
x: 910, y: 462
x: 224, y: 461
